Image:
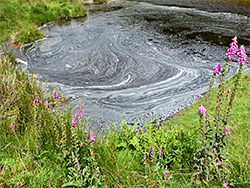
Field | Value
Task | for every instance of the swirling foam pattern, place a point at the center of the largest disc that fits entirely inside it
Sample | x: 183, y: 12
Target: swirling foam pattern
x: 137, y: 59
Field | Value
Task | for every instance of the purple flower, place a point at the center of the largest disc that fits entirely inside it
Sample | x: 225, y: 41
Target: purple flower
x: 75, y: 166
x: 56, y: 95
x: 206, y: 118
x: 81, y: 111
x: 216, y: 69
x: 214, y: 151
x: 81, y: 144
x: 78, y: 170
x: 37, y: 99
x: 74, y: 122
x: 46, y: 103
x: 202, y: 110
x: 92, y: 137
x: 227, y: 90
x: 242, y: 57
x: 161, y: 153
x: 233, y: 49
x: 84, y: 175
x: 143, y: 159
x: 12, y: 125
x: 151, y: 154
x: 227, y: 131
x: 77, y: 113
x: 17, y: 183
x: 225, y: 184
x: 165, y: 176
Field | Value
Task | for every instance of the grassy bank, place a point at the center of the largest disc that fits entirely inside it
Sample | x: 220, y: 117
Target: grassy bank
x: 23, y: 17
x: 42, y: 145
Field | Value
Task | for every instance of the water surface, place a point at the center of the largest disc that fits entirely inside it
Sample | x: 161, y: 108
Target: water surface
x: 135, y: 60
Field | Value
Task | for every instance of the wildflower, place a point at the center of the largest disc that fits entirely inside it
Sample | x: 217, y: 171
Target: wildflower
x: 242, y: 57
x: 227, y: 131
x: 77, y: 113
x: 12, y: 125
x: 202, y: 110
x: 165, y: 176
x: 225, y: 184
x: 84, y: 175
x: 56, y: 95
x: 143, y: 159
x: 214, y: 151
x: 17, y: 183
x: 78, y: 169
x: 11, y: 178
x: 151, y: 154
x: 161, y: 153
x: 206, y: 118
x: 161, y: 164
x: 37, y: 99
x: 216, y: 69
x: 46, y: 103
x: 75, y: 166
x: 233, y: 49
x: 92, y: 137
x: 81, y: 144
x: 74, y: 122
x: 81, y: 111
x: 227, y: 90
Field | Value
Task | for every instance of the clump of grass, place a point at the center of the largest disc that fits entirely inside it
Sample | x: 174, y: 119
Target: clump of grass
x: 24, y: 17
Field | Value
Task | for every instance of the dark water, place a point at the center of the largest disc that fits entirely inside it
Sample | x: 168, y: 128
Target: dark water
x: 135, y: 60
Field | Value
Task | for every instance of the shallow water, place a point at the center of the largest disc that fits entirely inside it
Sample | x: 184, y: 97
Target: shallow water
x: 135, y: 60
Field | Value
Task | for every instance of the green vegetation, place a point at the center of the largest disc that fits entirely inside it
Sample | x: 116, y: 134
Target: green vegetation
x: 25, y: 16
x: 100, y: 1
x: 44, y: 145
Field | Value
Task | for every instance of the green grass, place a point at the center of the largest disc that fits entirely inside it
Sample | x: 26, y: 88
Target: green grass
x: 25, y: 16
x: 45, y: 144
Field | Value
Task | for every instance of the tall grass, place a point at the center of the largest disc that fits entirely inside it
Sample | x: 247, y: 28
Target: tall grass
x: 25, y: 16
x: 41, y: 148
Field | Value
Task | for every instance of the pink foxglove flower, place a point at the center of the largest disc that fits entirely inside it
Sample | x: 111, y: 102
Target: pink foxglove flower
x: 202, y: 110
x: 227, y: 131
x: 56, y: 95
x: 226, y: 184
x: 92, y: 137
x: 227, y: 90
x: 81, y: 111
x: 216, y: 69
x: 46, y: 103
x: 77, y: 113
x: 37, y: 99
x: 74, y: 122
x: 242, y: 57
x: 12, y: 125
x: 233, y: 49
x: 165, y: 176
